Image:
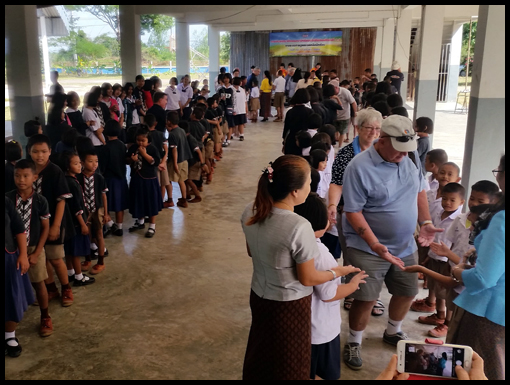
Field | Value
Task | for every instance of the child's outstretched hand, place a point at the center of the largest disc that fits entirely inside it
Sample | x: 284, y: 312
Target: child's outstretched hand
x: 439, y: 248
x: 414, y: 269
x: 345, y: 270
x: 359, y: 278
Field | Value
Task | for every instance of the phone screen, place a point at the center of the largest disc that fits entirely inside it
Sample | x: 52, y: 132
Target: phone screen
x: 433, y: 360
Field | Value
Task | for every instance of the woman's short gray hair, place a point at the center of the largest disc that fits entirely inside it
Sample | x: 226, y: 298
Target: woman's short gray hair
x: 368, y: 115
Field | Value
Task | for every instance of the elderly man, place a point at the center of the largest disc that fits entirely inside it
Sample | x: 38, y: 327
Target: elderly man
x: 396, y: 75
x: 384, y: 198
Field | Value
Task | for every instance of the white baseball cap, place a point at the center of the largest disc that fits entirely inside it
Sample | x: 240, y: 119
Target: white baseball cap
x: 395, y: 65
x: 400, y: 129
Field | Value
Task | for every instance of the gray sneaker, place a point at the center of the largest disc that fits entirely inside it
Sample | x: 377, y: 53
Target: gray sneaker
x: 393, y: 339
x: 352, y: 356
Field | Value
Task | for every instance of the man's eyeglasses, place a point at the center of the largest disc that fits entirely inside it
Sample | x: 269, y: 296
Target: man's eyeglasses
x: 495, y: 172
x: 372, y: 128
x: 402, y: 139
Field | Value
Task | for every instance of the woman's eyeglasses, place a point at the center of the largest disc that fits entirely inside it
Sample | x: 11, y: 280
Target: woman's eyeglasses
x: 495, y: 172
x: 372, y: 128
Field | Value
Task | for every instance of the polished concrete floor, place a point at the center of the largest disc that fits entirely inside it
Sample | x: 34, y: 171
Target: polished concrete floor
x: 176, y: 306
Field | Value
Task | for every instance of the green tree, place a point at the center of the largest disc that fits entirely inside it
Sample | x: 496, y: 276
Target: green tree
x: 465, y: 41
x: 225, y: 48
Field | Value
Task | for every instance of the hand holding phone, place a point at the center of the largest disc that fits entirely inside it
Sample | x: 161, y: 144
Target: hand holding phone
x: 425, y: 359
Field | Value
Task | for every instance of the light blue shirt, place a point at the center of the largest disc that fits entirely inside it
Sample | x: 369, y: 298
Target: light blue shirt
x: 484, y: 293
x: 387, y: 195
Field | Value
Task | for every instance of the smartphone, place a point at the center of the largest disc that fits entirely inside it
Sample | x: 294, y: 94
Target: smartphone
x: 425, y: 359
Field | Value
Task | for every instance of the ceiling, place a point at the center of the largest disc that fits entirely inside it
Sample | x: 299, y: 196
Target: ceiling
x: 279, y: 17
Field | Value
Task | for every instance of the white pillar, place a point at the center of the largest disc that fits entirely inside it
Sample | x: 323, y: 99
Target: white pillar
x: 402, y: 47
x: 130, y: 46
x: 181, y: 49
x: 214, y: 55
x: 376, y: 67
x: 23, y: 67
x: 387, y: 46
x: 46, y: 56
x: 485, y: 133
x: 453, y: 68
x: 428, y: 62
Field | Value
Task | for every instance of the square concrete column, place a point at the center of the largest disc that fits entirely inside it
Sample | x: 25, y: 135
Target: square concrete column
x: 388, y: 39
x: 130, y: 43
x: 376, y: 67
x: 402, y: 47
x: 181, y: 49
x: 453, y: 67
x: 428, y: 61
x: 485, y: 133
x: 213, y: 35
x: 23, y: 68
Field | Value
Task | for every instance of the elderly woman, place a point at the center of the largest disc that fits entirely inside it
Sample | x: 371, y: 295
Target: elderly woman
x: 368, y: 124
x: 290, y: 85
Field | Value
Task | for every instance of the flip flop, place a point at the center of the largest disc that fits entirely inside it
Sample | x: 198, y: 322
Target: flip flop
x: 378, y: 309
x: 348, y: 303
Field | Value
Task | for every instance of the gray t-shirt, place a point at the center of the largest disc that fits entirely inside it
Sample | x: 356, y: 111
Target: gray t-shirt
x: 276, y: 245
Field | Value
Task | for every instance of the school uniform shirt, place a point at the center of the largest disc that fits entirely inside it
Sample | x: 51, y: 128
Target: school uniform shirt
x: 160, y: 115
x: 9, y: 177
x: 255, y: 92
x: 211, y: 114
x: 158, y: 140
x: 139, y: 94
x: 279, y: 84
x: 121, y: 105
x: 112, y: 102
x: 145, y: 169
x: 185, y: 93
x: 129, y: 103
x: 197, y: 130
x: 434, y: 204
x: 77, y: 202
x: 443, y: 224
x: 193, y: 146
x: 93, y: 187
x: 347, y: 99
x: 177, y: 138
x: 91, y: 114
x: 32, y: 211
x: 76, y: 118
x: 326, y: 319
x: 13, y: 226
x: 228, y: 94
x: 240, y: 101
x: 51, y: 183
x: 172, y: 103
x: 113, y: 163
x: 332, y: 108
x: 433, y: 182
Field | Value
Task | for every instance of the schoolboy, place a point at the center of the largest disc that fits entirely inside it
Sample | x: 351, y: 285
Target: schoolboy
x: 159, y: 141
x: 51, y: 184
x: 180, y: 153
x: 13, y: 153
x: 423, y: 127
x: 452, y: 200
x: 483, y: 192
x: 31, y: 128
x: 195, y: 165
x: 448, y: 172
x: 94, y: 193
x: 214, y: 120
x: 207, y: 140
x: 433, y: 160
x: 34, y: 211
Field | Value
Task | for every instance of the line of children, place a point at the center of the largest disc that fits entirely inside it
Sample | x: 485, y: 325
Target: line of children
x: 13, y: 153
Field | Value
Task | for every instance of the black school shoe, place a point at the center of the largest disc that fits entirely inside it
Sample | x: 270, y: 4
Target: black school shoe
x: 12, y: 351
x: 118, y: 232
x: 136, y: 226
x: 94, y: 254
x: 86, y: 280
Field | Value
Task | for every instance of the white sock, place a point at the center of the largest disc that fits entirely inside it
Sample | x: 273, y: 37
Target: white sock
x: 152, y: 226
x: 78, y: 277
x: 109, y: 223
x: 93, y: 246
x: 105, y: 249
x: 70, y: 272
x: 141, y: 221
x: 393, y: 327
x: 354, y: 336
x: 119, y: 225
x: 11, y: 335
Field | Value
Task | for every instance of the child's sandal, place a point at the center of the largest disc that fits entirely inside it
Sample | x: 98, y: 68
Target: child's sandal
x: 150, y: 233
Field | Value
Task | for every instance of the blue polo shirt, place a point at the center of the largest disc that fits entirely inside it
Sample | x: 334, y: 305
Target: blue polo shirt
x: 387, y: 195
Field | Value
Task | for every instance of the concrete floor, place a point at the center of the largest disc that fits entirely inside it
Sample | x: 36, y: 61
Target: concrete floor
x: 176, y: 307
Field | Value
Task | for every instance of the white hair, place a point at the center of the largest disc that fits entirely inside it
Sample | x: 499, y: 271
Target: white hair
x: 368, y: 115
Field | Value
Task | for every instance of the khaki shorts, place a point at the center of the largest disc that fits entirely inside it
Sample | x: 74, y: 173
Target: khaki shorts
x: 183, y: 171
x: 224, y: 128
x: 163, y: 177
x: 209, y: 150
x: 254, y: 104
x: 195, y: 172
x: 217, y: 134
x: 54, y: 251
x: 442, y: 268
x: 37, y: 272
x: 279, y: 99
x: 97, y: 221
x: 398, y: 282
x: 341, y: 126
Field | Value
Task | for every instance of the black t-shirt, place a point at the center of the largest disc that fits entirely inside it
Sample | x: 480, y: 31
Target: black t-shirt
x: 177, y: 138
x: 193, y: 144
x: 229, y: 97
x: 157, y: 140
x: 397, y: 78
x: 9, y: 177
x: 160, y: 115
x: 113, y: 161
x: 35, y: 209
x: 77, y: 202
x: 13, y: 226
x: 143, y: 168
x: 51, y: 183
x: 197, y: 130
x: 93, y: 188
x: 76, y: 118
x: 331, y: 110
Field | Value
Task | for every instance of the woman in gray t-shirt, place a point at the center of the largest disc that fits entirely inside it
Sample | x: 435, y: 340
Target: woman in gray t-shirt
x: 283, y: 247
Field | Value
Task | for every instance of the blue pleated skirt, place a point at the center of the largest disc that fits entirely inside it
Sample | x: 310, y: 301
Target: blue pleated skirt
x: 77, y: 246
x: 18, y: 290
x: 117, y: 194
x: 144, y: 196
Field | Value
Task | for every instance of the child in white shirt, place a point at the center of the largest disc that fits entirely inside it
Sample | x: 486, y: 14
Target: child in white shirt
x: 254, y: 101
x: 326, y: 319
x: 240, y: 107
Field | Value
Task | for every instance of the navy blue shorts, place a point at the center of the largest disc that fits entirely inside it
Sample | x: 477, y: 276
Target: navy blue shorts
x: 326, y: 360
